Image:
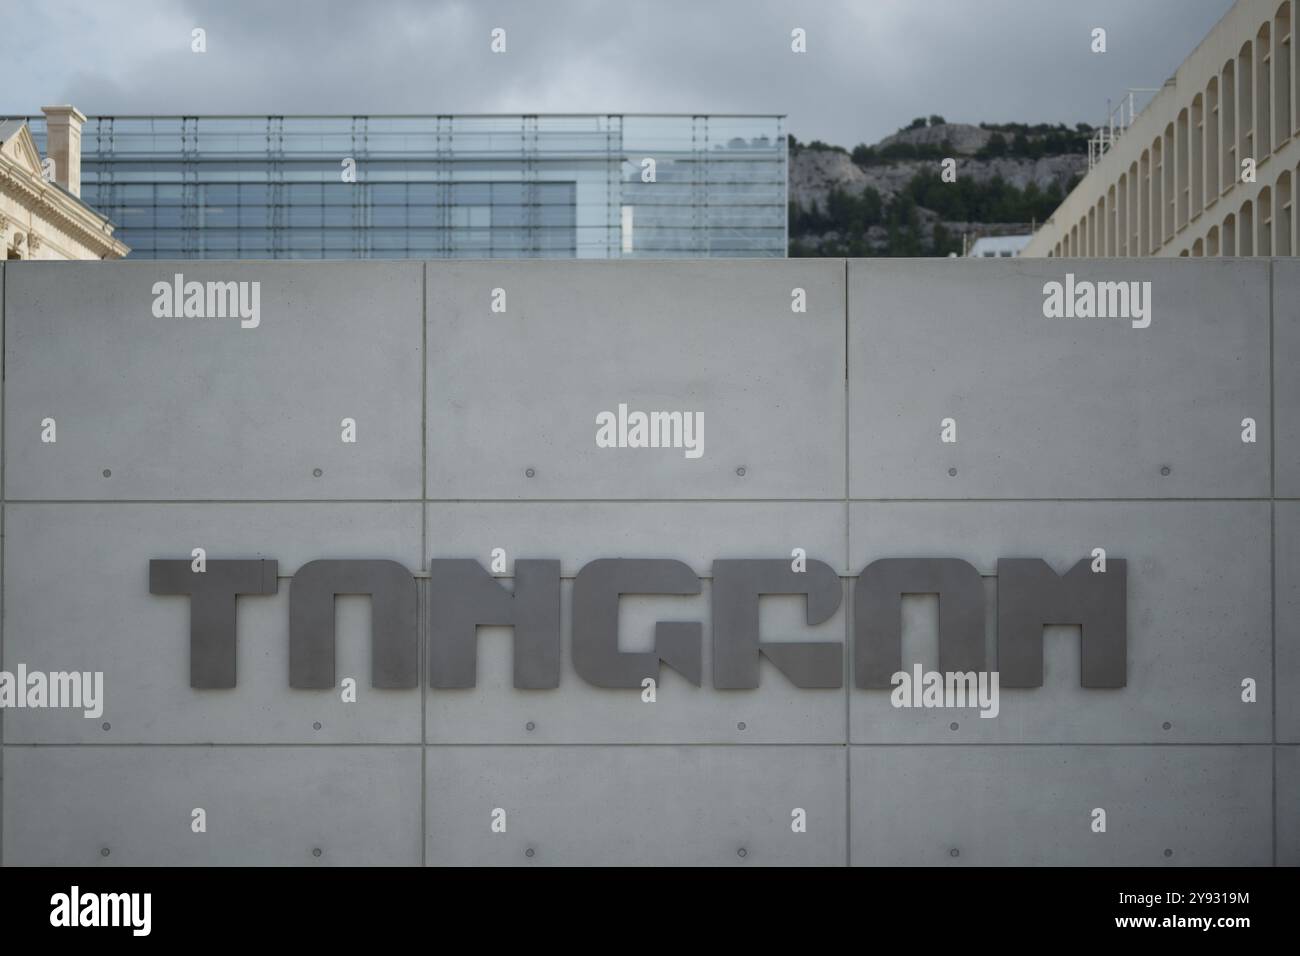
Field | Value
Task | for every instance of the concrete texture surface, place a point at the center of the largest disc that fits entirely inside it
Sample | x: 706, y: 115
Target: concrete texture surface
x: 1056, y: 408
x: 1198, y: 618
x: 1287, y: 800
x: 359, y: 806
x: 212, y: 433
x: 1287, y: 546
x: 515, y: 390
x: 195, y: 408
x: 636, y: 806
x: 1181, y: 806
x: 108, y: 621
x: 1286, y: 375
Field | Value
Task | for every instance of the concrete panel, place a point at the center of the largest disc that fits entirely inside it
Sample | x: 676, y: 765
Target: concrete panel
x: 2, y: 562
x: 2, y: 416
x: 1056, y: 408
x: 1286, y: 376
x: 360, y: 806
x: 1199, y: 619
x: 636, y: 806
x: 202, y: 408
x: 518, y: 390
x: 696, y: 532
x: 1287, y: 803
x: 1033, y: 806
x: 576, y: 712
x: 77, y: 598
x: 1287, y: 572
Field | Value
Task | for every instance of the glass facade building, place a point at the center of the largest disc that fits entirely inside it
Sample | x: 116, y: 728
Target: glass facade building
x: 526, y: 186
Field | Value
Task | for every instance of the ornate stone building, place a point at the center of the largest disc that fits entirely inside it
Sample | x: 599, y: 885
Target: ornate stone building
x: 41, y: 212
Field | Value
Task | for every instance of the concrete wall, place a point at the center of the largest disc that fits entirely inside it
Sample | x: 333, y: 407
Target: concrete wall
x: 476, y: 430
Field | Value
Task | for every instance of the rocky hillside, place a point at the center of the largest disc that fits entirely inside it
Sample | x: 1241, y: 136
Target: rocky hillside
x: 888, y: 199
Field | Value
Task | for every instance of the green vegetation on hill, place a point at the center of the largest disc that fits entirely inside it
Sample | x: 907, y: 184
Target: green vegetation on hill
x: 912, y: 223
x: 1021, y: 141
x: 865, y: 155
x: 993, y: 201
x: 850, y: 217
x: 816, y: 146
x: 1013, y: 140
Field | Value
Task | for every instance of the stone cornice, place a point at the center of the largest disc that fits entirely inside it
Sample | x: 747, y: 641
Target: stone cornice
x: 86, y: 226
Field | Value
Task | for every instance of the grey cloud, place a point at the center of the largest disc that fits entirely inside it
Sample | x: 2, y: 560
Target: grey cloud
x: 871, y: 66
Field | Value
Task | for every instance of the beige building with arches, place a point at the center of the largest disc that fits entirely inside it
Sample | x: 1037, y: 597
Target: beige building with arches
x: 1177, y: 179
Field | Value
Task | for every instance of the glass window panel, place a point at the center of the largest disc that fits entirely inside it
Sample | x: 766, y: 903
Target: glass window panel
x: 438, y: 185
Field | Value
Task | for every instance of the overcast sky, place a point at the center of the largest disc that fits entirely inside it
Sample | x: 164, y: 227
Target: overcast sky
x: 871, y: 65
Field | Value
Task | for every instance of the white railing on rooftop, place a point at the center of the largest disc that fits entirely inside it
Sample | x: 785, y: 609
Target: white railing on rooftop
x: 1118, y: 119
